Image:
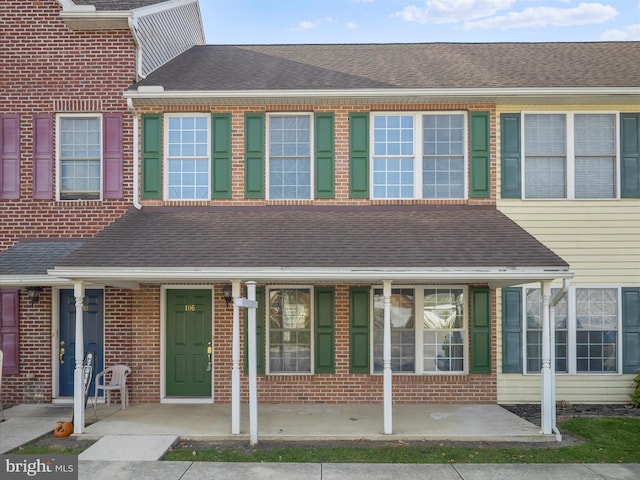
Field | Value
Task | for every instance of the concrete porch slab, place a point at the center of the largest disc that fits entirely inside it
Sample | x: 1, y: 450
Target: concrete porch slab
x: 324, y: 422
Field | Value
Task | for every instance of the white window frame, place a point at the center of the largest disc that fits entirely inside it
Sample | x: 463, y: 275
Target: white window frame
x: 59, y: 118
x: 166, y: 158
x: 570, y: 153
x: 572, y: 331
x: 419, y: 329
x: 268, y: 328
x: 312, y: 153
x: 418, y: 151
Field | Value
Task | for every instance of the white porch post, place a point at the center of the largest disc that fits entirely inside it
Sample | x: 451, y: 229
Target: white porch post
x: 78, y: 387
x: 253, y: 367
x: 235, y: 369
x: 386, y: 360
x: 545, y: 373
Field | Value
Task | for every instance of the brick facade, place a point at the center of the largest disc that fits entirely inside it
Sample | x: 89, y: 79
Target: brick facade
x: 48, y: 68
x: 51, y: 69
x: 341, y: 112
x: 340, y: 387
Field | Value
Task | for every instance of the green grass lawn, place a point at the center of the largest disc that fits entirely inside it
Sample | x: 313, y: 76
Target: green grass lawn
x: 606, y: 440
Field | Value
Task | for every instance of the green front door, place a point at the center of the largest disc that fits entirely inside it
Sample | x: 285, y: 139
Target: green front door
x: 188, y: 340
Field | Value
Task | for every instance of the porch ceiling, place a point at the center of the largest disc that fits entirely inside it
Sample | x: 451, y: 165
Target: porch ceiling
x: 310, y: 243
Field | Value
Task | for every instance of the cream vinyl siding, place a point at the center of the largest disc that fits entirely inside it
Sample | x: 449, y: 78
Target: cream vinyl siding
x: 515, y: 388
x: 599, y: 239
x: 580, y: 388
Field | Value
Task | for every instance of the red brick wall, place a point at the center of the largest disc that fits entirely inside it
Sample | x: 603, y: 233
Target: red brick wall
x: 341, y: 150
x: 341, y: 387
x: 47, y: 68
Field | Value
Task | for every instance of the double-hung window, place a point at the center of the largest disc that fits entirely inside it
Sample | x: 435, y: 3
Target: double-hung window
x: 570, y: 155
x: 188, y: 157
x: 290, y: 157
x: 586, y: 331
x: 427, y: 330
x: 597, y: 330
x: 80, y: 157
x: 419, y: 156
x: 290, y: 330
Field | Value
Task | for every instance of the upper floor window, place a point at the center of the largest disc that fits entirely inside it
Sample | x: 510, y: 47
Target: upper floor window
x: 427, y: 330
x: 187, y: 168
x: 570, y: 155
x: 290, y: 161
x: 80, y: 157
x: 419, y: 156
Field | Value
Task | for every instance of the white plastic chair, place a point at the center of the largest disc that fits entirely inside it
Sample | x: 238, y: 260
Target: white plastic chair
x: 113, y: 379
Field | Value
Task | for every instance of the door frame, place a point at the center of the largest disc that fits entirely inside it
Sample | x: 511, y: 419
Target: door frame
x: 163, y: 344
x: 55, y: 340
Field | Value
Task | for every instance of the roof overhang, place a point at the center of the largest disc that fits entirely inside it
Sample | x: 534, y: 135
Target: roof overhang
x: 157, y: 95
x: 495, y: 278
x: 87, y: 19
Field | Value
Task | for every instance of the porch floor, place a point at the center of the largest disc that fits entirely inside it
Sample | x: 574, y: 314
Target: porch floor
x: 318, y: 422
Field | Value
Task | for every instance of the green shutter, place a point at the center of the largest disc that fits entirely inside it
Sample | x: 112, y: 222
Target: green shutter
x: 631, y: 330
x: 221, y: 155
x: 324, y: 128
x: 512, y: 330
x: 324, y: 330
x: 480, y: 148
x: 359, y: 155
x: 480, y: 330
x: 359, y: 309
x: 630, y: 155
x: 254, y: 155
x: 510, y: 167
x: 151, y: 156
x: 260, y: 333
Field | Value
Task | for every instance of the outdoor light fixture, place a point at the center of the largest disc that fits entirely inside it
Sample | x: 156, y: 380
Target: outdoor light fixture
x: 226, y: 292
x: 34, y: 294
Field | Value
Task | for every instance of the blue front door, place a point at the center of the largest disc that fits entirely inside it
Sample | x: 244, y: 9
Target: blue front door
x: 93, y: 335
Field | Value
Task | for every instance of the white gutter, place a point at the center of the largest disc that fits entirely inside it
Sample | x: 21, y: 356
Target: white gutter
x: 19, y: 281
x: 136, y: 157
x: 510, y: 276
x: 158, y: 92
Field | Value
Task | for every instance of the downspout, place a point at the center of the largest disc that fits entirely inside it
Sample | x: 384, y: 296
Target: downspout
x: 554, y: 301
x: 136, y: 156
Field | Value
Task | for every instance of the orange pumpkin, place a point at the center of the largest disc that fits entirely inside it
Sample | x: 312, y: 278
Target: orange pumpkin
x: 63, y: 429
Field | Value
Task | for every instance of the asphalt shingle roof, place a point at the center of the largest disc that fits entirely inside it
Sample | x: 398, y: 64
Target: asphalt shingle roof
x: 35, y: 257
x: 426, y: 65
x: 313, y: 237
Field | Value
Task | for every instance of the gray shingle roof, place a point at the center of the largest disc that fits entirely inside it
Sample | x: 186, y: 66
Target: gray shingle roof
x: 314, y: 237
x: 117, y: 5
x: 35, y: 257
x: 427, y: 65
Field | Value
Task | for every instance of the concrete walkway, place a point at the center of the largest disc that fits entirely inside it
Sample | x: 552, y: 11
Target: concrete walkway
x: 153, y: 428
x: 350, y: 471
